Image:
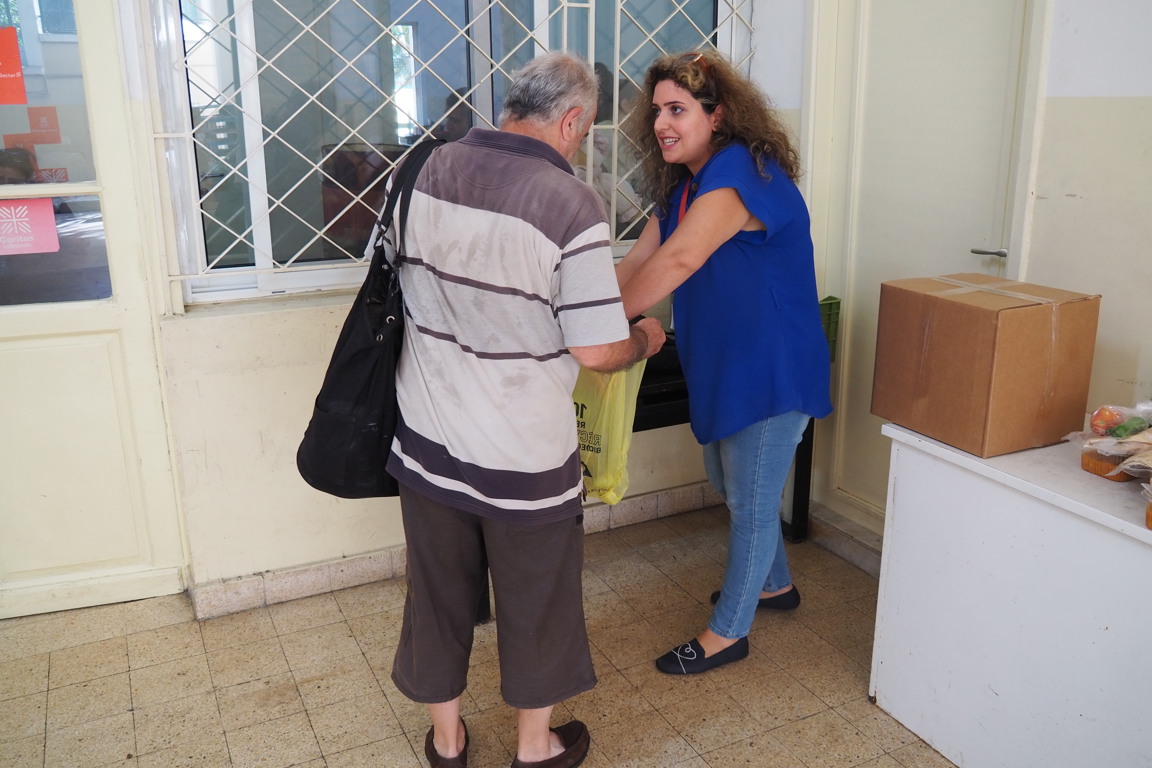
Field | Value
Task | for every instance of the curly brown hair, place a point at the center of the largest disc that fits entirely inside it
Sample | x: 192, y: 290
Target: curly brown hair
x: 748, y: 119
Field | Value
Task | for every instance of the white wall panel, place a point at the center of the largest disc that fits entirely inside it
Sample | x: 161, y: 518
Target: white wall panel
x: 66, y: 500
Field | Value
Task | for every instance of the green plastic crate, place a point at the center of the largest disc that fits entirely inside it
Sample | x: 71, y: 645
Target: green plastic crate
x: 830, y: 314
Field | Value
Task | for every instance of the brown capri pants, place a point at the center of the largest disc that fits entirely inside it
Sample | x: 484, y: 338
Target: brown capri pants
x: 536, y: 584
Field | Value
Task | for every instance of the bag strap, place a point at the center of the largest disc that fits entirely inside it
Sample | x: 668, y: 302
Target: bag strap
x: 401, y: 190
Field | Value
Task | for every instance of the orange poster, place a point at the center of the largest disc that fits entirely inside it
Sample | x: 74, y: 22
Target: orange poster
x: 44, y: 125
x: 23, y: 140
x: 11, y: 73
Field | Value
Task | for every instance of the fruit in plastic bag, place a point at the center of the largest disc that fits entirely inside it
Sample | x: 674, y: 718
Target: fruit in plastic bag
x: 1108, y: 417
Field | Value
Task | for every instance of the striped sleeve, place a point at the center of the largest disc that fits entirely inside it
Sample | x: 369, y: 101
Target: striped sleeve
x: 587, y: 296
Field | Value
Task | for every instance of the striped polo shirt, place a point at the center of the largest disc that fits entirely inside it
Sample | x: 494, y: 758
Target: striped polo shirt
x: 508, y: 264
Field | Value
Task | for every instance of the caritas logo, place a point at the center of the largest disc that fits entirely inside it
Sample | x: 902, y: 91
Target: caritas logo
x: 28, y: 226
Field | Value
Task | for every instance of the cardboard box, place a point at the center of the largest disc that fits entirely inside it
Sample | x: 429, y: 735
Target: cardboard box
x: 987, y: 365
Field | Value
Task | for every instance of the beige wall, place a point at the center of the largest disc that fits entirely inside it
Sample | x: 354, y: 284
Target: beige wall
x: 240, y: 381
x: 1092, y: 229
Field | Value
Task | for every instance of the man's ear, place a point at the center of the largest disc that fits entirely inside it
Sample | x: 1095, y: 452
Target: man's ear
x: 572, y: 125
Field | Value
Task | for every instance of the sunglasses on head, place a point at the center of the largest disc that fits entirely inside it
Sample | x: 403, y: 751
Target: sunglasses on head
x: 697, y: 58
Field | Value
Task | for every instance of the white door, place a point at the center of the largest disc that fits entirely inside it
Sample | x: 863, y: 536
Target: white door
x: 87, y: 507
x: 932, y: 122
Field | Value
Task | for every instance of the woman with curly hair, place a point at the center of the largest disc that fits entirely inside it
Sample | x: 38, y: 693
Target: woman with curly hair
x: 731, y: 238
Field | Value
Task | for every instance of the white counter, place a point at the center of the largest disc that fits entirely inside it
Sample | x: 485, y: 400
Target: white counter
x: 1014, y: 620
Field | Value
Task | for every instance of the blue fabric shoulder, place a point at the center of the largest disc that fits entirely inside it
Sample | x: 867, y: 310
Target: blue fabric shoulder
x: 770, y: 196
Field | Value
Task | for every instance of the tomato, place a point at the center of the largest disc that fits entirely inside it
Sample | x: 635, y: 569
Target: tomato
x: 1106, y: 417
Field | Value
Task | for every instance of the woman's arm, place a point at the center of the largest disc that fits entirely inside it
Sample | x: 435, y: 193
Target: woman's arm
x: 657, y: 270
x: 644, y: 247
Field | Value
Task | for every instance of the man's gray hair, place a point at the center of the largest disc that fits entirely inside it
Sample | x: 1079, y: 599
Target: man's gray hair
x: 549, y: 86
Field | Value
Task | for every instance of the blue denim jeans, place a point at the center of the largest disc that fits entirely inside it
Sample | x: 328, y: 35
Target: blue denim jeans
x: 749, y: 469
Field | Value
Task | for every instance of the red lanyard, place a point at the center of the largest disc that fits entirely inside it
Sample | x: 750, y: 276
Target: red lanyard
x: 684, y: 201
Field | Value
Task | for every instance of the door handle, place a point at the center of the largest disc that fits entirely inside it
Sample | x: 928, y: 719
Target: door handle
x: 1001, y: 252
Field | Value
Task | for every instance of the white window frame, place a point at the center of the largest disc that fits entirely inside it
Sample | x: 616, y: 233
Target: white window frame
x: 199, y: 283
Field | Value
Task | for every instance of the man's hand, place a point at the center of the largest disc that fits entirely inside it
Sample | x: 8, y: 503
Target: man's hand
x: 654, y: 336
x: 645, y: 339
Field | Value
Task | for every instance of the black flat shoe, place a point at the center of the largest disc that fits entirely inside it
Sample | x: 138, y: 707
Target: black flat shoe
x: 787, y: 601
x: 689, y: 659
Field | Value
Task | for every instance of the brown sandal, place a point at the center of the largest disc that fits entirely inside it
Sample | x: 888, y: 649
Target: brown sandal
x: 574, y: 736
x: 436, y: 760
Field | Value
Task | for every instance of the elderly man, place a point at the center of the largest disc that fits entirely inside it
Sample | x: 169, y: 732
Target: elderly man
x: 509, y: 284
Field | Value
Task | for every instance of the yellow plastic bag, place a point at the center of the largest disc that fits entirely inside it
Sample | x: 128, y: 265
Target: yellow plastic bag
x: 605, y: 408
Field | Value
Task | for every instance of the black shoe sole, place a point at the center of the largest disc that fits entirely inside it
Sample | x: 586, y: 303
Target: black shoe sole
x: 788, y: 601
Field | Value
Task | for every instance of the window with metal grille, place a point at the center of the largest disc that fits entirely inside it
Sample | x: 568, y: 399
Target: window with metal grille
x: 57, y: 17
x: 296, y: 109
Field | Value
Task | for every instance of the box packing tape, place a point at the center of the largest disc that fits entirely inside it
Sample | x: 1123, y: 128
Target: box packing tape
x: 963, y: 286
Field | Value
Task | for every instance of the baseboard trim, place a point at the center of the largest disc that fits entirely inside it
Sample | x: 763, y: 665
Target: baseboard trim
x: 841, y: 536
x: 63, y: 593
x: 222, y: 597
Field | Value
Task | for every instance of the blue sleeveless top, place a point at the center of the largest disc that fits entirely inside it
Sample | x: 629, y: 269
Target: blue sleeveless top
x: 748, y: 326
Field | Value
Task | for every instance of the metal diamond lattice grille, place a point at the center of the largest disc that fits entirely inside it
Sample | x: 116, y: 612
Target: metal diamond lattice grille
x: 300, y: 108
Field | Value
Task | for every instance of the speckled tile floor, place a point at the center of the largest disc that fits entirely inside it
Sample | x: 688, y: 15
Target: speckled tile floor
x: 306, y: 683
